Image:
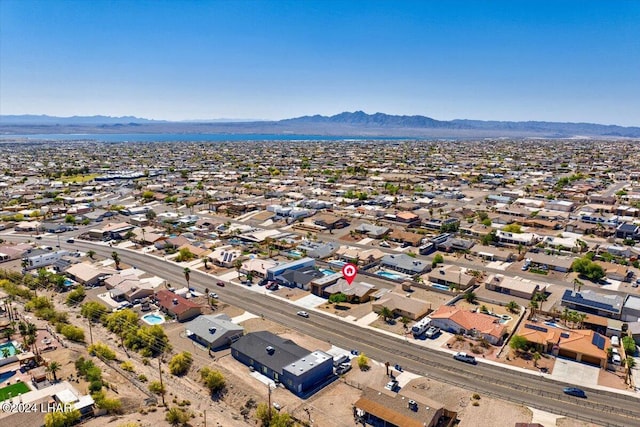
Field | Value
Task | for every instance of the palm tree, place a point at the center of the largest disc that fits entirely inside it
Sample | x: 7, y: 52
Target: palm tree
x: 405, y: 320
x: 533, y: 305
x: 187, y: 276
x: 536, y: 357
x: 205, y: 259
x: 470, y: 297
x: 630, y: 363
x: 91, y: 254
x: 237, y: 264
x: 53, y: 368
x: 513, y: 307
x: 5, y: 352
x: 116, y: 259
x: 540, y: 297
x: 385, y: 313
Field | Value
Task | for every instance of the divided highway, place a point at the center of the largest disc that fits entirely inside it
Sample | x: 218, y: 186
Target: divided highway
x: 601, y: 407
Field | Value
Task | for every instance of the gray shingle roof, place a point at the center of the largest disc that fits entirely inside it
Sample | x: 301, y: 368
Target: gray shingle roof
x: 285, y: 352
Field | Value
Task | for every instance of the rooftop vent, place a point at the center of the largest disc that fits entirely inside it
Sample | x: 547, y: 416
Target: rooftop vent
x: 175, y: 301
x: 212, y: 330
x: 270, y: 349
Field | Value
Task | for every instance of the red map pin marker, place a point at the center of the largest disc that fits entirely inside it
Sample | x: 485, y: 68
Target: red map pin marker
x: 349, y: 271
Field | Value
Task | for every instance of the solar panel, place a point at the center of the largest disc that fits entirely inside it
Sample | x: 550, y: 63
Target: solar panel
x: 535, y: 327
x: 598, y: 340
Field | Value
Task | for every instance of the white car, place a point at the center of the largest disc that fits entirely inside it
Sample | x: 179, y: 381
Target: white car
x: 302, y: 314
x: 391, y: 385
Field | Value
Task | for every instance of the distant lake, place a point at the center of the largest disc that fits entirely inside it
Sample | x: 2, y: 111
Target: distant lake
x: 186, y: 137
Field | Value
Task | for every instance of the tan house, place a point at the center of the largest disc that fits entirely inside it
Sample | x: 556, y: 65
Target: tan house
x: 582, y: 345
x: 391, y: 409
x: 458, y: 321
x: 451, y: 276
x: 511, y: 286
x: 175, y: 305
x: 400, y: 305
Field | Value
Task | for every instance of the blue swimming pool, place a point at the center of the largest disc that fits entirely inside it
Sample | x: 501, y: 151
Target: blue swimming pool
x: 439, y: 286
x: 388, y: 275
x: 327, y: 272
x: 6, y: 375
x: 293, y: 253
x: 339, y: 264
x: 7, y: 349
x: 153, y: 318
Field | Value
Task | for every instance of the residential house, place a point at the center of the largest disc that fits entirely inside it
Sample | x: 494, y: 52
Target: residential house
x: 213, y: 331
x: 455, y: 244
x: 176, y: 306
x: 631, y: 309
x: 373, y: 231
x: 88, y: 274
x: 615, y: 271
x: 405, y: 264
x: 282, y: 360
x: 512, y: 286
x: 225, y: 256
x: 628, y: 231
x: 516, y: 238
x: 391, y: 409
x: 401, y: 305
x: 330, y: 221
x: 588, y: 301
x: 551, y: 262
x: 356, y: 292
x: 359, y: 256
x: 458, y: 321
x: 492, y: 253
x: 257, y: 267
x: 582, y: 345
x: 300, y: 278
x: 453, y: 277
x: 299, y: 264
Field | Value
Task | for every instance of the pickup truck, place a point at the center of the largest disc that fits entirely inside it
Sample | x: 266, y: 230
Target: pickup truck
x: 464, y: 357
x: 432, y: 332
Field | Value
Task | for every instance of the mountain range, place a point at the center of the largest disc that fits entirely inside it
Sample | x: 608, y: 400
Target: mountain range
x: 346, y: 124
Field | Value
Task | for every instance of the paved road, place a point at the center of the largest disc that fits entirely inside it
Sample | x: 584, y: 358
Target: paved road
x: 601, y: 407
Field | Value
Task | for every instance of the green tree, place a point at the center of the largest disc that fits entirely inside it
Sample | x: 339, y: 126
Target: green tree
x: 187, y: 274
x: 156, y: 388
x: 53, y: 369
x: 385, y: 313
x: 513, y: 307
x: 93, y: 310
x: 61, y: 418
x: 536, y: 356
x: 363, y: 362
x: 116, y: 259
x: 91, y: 253
x: 470, y: 297
x: 518, y: 343
x: 212, y: 379
x: 180, y: 363
x: 177, y: 416
x: 338, y: 298
x: 512, y: 228
x: 438, y: 259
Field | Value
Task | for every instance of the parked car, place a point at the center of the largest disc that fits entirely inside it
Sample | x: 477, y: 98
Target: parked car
x: 574, y: 391
x: 71, y: 240
x: 391, y: 385
x: 213, y: 295
x: 355, y: 352
x: 38, y: 237
x: 220, y: 284
x: 343, y: 368
x: 432, y: 332
x: 277, y: 406
x: 302, y: 314
x: 464, y: 357
x: 385, y: 244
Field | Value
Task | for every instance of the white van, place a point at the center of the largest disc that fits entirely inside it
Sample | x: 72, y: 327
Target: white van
x: 615, y: 341
x: 615, y: 359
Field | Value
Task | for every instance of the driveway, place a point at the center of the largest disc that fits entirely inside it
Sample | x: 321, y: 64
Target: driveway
x: 567, y: 371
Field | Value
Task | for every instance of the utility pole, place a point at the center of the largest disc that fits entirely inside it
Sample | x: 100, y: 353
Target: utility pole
x: 90, y: 332
x: 205, y: 418
x: 269, y: 408
x: 161, y: 385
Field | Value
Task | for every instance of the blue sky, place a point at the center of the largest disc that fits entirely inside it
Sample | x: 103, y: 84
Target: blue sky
x: 492, y: 60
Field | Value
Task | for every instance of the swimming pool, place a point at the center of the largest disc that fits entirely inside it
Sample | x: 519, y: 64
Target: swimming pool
x: 337, y: 263
x: 6, y: 375
x: 68, y: 282
x: 388, y: 275
x: 153, y: 319
x: 8, y: 348
x: 327, y: 272
x: 294, y: 253
x: 441, y: 287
